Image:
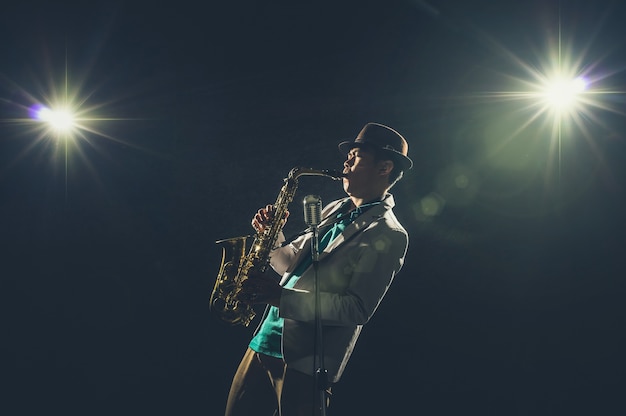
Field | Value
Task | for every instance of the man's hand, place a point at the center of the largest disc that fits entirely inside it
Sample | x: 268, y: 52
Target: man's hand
x: 260, y: 288
x: 263, y: 218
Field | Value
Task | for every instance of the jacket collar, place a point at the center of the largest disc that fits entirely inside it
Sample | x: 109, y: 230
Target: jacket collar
x: 362, y: 222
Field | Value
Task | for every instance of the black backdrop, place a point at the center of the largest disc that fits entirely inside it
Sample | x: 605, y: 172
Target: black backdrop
x: 510, y: 301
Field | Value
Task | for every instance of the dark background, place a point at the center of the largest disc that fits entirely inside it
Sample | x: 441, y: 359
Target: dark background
x: 511, y: 298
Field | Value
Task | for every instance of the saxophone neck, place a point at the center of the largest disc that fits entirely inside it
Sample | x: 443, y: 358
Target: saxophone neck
x: 300, y: 171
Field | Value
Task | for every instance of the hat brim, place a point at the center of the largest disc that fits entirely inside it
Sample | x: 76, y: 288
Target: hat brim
x: 404, y: 161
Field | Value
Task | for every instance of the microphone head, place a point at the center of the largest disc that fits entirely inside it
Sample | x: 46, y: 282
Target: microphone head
x: 312, y: 210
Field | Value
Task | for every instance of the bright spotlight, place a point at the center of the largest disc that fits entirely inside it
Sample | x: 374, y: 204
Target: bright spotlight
x: 562, y: 94
x: 60, y: 121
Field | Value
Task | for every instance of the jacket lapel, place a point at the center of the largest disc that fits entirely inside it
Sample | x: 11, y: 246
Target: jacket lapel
x: 359, y: 224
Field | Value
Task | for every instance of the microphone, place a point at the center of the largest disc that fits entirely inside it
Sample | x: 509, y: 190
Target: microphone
x: 312, y: 210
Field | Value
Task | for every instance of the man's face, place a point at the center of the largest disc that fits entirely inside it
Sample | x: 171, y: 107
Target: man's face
x: 361, y: 173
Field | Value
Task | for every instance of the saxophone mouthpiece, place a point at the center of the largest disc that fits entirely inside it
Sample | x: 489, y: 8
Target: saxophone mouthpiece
x: 334, y: 174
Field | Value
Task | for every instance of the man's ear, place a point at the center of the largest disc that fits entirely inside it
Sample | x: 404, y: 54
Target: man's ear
x: 385, y: 167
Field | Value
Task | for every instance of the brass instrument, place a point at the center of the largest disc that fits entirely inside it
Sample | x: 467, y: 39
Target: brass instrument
x: 236, y: 266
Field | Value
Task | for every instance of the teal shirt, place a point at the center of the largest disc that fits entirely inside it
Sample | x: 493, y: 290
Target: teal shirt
x: 268, y: 339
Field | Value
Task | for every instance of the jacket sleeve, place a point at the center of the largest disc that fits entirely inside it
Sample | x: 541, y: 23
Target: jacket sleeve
x: 367, y: 269
x: 283, y: 257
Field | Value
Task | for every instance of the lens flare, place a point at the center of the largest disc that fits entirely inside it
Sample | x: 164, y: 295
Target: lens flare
x: 534, y: 121
x: 562, y: 93
x: 60, y: 121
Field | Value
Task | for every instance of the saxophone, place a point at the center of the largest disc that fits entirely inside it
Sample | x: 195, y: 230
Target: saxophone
x: 237, y: 266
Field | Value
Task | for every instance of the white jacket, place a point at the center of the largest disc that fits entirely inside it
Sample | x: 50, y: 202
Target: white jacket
x: 354, y: 273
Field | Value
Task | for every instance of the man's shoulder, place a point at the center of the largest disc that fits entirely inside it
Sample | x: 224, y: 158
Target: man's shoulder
x: 393, y: 222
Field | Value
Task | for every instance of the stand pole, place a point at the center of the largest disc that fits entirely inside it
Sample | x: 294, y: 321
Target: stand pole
x: 321, y: 376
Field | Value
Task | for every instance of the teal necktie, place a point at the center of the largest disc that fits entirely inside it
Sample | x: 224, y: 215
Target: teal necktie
x: 342, y: 221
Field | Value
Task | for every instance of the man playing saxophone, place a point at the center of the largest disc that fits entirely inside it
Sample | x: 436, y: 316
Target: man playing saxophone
x: 328, y: 297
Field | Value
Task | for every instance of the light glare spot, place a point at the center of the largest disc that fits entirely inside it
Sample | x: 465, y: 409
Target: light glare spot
x: 430, y: 205
x: 380, y: 245
x: 59, y: 120
x: 461, y: 181
x: 562, y: 93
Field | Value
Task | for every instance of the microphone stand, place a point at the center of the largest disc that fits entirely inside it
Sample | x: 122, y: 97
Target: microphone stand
x: 321, y: 376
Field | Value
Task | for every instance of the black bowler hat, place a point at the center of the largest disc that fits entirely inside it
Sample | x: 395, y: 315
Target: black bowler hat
x: 383, y: 139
